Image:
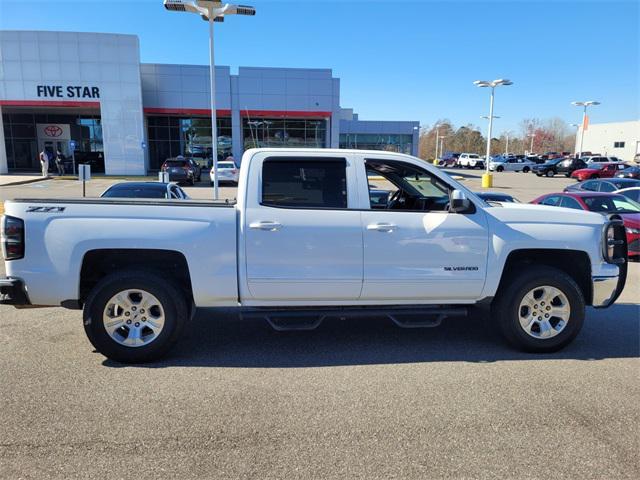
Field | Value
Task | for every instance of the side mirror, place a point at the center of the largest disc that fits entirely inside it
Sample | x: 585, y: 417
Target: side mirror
x: 459, y: 202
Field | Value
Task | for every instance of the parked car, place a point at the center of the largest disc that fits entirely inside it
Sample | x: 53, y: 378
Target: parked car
x: 470, y: 160
x: 629, y: 172
x: 497, y: 197
x: 227, y: 172
x: 603, y: 185
x: 182, y: 169
x: 567, y: 166
x: 145, y: 190
x: 511, y: 165
x: 604, y: 203
x: 548, y: 169
x: 601, y: 159
x: 449, y: 159
x: 303, y: 236
x: 598, y: 170
x: 630, y: 192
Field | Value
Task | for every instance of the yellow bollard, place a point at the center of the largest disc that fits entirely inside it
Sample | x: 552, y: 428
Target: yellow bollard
x: 487, y: 180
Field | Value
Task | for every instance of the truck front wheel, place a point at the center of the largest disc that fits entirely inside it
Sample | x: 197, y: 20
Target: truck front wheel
x: 134, y: 316
x: 540, y: 310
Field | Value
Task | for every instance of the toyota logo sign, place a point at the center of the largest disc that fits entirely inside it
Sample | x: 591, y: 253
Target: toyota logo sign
x: 52, y: 131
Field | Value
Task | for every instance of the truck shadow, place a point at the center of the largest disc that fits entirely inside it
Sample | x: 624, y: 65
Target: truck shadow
x: 228, y: 341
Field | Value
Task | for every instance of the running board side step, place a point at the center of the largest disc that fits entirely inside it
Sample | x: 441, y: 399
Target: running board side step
x: 299, y: 319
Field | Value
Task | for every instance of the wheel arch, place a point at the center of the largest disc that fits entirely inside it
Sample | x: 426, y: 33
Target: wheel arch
x: 575, y: 263
x: 98, y: 263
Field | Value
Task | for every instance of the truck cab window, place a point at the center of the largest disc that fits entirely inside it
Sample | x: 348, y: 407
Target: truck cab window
x: 304, y: 183
x: 395, y: 185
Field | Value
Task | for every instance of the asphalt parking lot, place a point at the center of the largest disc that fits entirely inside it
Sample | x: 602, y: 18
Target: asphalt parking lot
x: 353, y: 399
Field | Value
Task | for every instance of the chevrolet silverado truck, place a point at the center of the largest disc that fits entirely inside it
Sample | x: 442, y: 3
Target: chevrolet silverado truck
x: 305, y: 242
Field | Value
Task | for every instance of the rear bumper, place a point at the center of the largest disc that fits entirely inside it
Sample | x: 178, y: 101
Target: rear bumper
x: 13, y: 292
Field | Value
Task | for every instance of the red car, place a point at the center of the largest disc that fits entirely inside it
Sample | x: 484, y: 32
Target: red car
x: 605, y: 203
x: 598, y: 170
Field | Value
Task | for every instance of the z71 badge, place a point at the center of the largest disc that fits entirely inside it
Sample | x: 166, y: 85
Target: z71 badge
x: 45, y: 209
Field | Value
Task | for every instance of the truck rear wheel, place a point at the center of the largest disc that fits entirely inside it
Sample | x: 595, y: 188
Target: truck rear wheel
x: 134, y: 316
x: 540, y: 310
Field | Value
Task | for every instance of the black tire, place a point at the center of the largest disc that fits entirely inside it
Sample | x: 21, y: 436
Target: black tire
x: 500, y: 169
x: 593, y: 177
x: 526, y: 170
x: 567, y: 175
x: 170, y: 297
x: 550, y: 173
x: 521, y: 281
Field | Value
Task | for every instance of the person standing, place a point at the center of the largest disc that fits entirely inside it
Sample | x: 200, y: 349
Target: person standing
x: 60, y: 162
x: 44, y: 162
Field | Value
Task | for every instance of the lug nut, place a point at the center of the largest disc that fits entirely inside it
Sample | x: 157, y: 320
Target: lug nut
x: 144, y: 319
x: 137, y: 324
x: 541, y: 303
x: 548, y: 308
x: 535, y: 306
x: 126, y: 314
x: 128, y: 322
x: 539, y: 318
x: 133, y: 308
x: 142, y: 310
x: 546, y: 315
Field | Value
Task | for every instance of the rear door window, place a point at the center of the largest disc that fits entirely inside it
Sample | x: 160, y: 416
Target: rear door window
x: 569, y: 202
x: 551, y: 201
x: 304, y: 183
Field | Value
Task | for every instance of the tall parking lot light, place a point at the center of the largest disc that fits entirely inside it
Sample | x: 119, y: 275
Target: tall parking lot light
x: 585, y: 119
x: 532, y: 135
x: 442, y: 144
x: 437, y: 127
x: 210, y: 12
x: 487, y: 178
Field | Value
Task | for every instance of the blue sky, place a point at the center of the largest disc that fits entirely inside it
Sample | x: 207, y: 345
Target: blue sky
x: 400, y: 60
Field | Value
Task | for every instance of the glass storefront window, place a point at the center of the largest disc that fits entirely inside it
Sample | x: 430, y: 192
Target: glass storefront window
x: 171, y: 136
x: 22, y: 143
x: 401, y: 143
x: 286, y: 133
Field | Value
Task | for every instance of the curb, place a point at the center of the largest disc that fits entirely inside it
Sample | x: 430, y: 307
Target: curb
x: 24, y: 182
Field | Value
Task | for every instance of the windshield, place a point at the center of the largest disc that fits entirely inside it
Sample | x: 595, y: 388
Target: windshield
x: 175, y: 163
x: 222, y: 165
x: 135, y: 192
x: 611, y: 204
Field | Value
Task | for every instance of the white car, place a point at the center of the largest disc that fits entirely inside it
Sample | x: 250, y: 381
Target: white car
x: 632, y: 192
x: 601, y: 159
x: 227, y: 172
x: 307, y: 240
x: 511, y: 165
x: 470, y: 160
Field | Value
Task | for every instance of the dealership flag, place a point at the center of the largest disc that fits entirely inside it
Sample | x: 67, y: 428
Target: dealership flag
x: 585, y: 122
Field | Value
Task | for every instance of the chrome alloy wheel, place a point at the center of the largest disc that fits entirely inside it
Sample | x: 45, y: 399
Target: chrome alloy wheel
x: 544, y: 312
x: 133, y: 318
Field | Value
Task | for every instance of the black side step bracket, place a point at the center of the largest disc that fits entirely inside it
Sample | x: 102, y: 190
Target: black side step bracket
x: 309, y: 319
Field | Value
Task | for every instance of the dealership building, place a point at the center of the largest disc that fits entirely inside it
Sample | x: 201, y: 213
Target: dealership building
x: 614, y: 139
x: 88, y: 94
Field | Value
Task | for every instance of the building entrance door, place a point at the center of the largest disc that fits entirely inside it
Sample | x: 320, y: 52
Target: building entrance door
x: 53, y: 137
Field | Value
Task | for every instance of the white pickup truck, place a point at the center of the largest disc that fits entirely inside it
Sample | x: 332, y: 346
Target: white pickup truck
x: 305, y: 242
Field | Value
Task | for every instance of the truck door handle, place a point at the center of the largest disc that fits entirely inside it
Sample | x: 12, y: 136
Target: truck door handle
x: 382, y: 227
x: 266, y: 225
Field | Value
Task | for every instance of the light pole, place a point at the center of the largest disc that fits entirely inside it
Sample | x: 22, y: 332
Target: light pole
x: 210, y: 12
x: 585, y: 120
x: 506, y: 148
x: 442, y: 143
x: 532, y: 135
x: 437, y: 127
x: 487, y: 178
